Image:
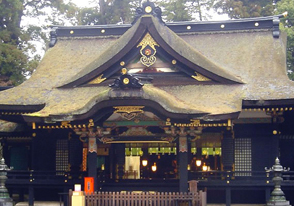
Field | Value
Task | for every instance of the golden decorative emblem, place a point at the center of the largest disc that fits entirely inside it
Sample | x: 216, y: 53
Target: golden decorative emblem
x: 126, y: 80
x: 65, y: 123
x: 195, y: 121
x: 97, y: 80
x: 128, y: 109
x: 91, y: 123
x: 124, y: 71
x: 148, y: 50
x: 200, y: 77
x: 129, y: 116
x: 148, y: 9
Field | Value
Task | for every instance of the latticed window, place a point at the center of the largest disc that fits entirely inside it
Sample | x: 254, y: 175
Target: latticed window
x: 61, y: 155
x: 243, y: 157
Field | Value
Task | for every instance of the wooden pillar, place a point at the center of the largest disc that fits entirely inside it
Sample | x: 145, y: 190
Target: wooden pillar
x: 75, y: 154
x: 120, y: 160
x: 228, y: 150
x: 183, y: 161
x: 267, y: 193
x: 31, y: 196
x: 228, y: 196
x: 92, y: 158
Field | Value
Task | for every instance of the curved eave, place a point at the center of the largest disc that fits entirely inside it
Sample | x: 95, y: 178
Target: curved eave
x: 14, y: 113
x: 99, y: 111
x: 168, y: 41
x: 104, y: 108
x: 9, y: 108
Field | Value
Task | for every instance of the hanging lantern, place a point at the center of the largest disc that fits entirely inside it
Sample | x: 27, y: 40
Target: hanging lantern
x: 198, y: 163
x: 204, y: 167
x: 144, y: 163
x: 154, y: 167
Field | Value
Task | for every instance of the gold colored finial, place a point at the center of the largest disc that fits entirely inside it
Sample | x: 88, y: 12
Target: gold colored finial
x: 124, y: 71
x: 148, y: 9
x: 126, y: 80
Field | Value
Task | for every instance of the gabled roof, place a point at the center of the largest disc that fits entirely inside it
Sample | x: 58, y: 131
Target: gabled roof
x: 242, y: 58
x: 167, y: 40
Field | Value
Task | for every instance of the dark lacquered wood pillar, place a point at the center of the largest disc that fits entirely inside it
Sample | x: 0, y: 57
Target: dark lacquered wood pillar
x: 228, y: 150
x: 120, y: 160
x: 92, y: 158
x: 183, y: 161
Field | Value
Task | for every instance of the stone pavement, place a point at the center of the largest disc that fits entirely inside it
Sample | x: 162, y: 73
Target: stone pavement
x: 40, y: 203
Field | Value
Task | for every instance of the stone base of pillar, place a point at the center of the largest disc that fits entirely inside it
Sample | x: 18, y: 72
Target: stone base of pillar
x: 6, y: 202
x: 278, y: 203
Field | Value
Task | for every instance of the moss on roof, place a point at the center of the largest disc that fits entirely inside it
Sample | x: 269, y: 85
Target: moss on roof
x: 255, y: 58
x: 191, y: 53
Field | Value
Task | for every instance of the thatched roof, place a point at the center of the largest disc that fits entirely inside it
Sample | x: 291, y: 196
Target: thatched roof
x: 253, y: 61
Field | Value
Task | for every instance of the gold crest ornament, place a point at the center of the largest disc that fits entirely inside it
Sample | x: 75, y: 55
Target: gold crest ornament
x: 200, y: 77
x: 148, y: 50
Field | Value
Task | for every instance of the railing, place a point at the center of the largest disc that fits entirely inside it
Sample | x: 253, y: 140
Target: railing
x: 238, y: 175
x: 56, y: 177
x: 50, y: 177
x: 145, y: 199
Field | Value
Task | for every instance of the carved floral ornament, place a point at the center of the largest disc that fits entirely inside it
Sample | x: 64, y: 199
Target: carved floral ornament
x: 129, y: 112
x: 148, y: 50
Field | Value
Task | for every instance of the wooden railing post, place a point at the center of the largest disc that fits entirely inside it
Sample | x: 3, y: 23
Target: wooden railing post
x: 193, y: 188
x: 69, y: 197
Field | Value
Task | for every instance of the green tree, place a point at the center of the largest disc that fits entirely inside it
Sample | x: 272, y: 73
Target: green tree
x: 201, y: 9
x: 108, y: 12
x: 245, y: 8
x: 175, y: 10
x: 186, y: 10
x: 287, y: 25
x: 18, y: 57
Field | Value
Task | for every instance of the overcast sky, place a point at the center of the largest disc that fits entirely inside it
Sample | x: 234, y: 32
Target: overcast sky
x: 88, y: 3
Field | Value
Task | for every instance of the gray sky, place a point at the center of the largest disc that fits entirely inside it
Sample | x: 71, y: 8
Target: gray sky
x: 88, y: 3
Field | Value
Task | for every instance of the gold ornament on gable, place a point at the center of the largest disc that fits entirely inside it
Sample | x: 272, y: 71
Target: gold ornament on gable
x: 129, y: 112
x: 200, y: 77
x: 97, y: 80
x: 148, y: 50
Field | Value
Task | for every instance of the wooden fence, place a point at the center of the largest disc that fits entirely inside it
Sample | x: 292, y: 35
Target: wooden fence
x: 145, y: 199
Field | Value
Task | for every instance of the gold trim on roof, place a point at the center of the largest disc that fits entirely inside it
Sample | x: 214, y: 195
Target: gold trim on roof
x: 148, y: 56
x: 269, y: 109
x: 200, y: 77
x: 97, y: 80
x: 128, y: 109
x: 197, y: 123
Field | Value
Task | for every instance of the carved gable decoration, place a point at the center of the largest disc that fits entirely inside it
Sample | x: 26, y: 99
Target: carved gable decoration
x: 149, y: 46
x: 148, y: 50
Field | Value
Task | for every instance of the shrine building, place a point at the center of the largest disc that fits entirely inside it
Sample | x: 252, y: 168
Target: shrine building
x: 151, y: 105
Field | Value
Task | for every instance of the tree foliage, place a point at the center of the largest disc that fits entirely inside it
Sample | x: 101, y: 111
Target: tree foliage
x: 175, y: 10
x: 107, y: 12
x: 18, y: 56
x: 287, y: 25
x: 245, y: 8
x: 186, y: 10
